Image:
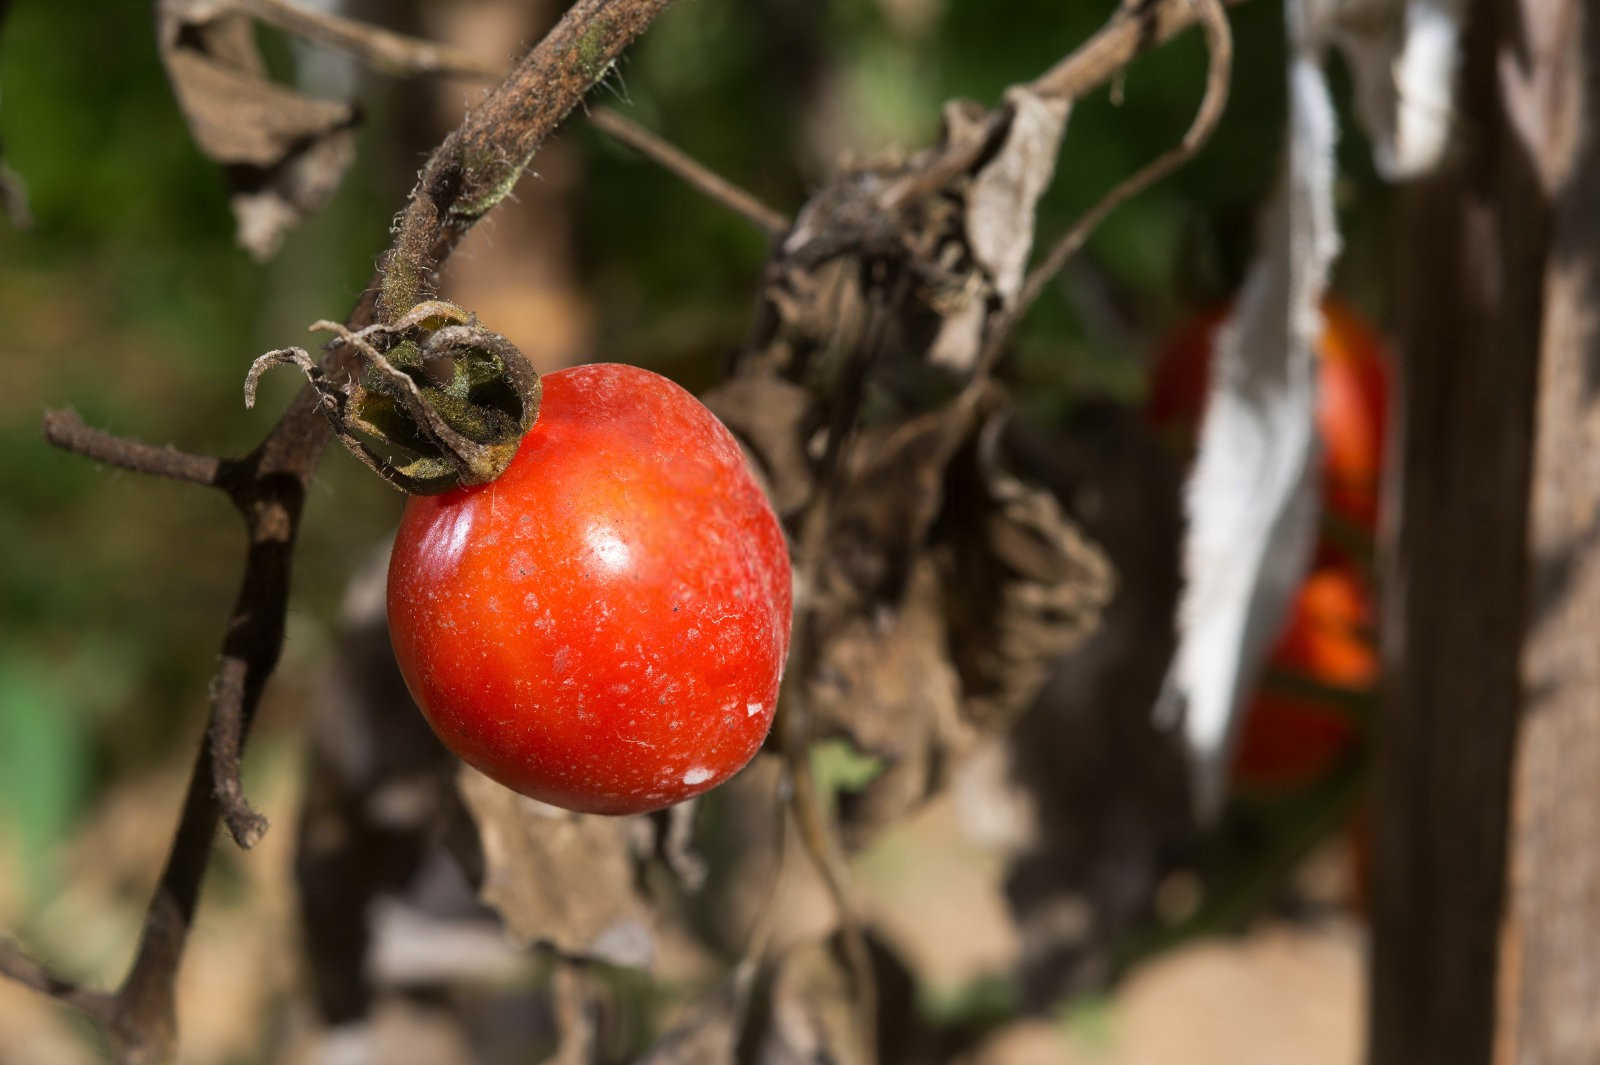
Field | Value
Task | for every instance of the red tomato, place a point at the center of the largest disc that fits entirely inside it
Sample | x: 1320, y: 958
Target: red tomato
x: 1180, y: 378
x: 1329, y: 634
x: 1351, y: 406
x: 604, y: 626
x: 1289, y: 740
x: 1353, y: 395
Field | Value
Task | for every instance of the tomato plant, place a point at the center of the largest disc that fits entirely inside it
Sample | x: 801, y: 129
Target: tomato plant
x: 604, y: 626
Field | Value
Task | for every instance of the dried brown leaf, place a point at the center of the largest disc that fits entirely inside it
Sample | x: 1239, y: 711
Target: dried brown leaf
x: 768, y: 414
x: 885, y: 681
x: 285, y: 152
x: 1004, y: 194
x: 1027, y: 585
x: 561, y: 878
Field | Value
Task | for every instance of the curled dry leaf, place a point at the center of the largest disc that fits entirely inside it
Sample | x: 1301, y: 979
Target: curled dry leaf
x: 1005, y: 193
x: 284, y: 152
x: 561, y: 878
x: 964, y: 240
x: 875, y: 310
x: 1026, y: 587
x: 998, y: 222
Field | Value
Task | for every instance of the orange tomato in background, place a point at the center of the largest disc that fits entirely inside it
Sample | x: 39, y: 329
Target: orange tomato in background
x: 1352, y: 408
x: 1290, y: 739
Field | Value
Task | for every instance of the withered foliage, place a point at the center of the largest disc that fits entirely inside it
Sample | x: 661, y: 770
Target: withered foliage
x: 944, y: 585
x: 947, y: 566
x: 951, y: 578
x: 284, y: 152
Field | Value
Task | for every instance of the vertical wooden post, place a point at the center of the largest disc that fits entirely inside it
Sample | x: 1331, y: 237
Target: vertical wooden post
x: 1491, y: 752
x: 1455, y: 577
x: 1550, y: 1001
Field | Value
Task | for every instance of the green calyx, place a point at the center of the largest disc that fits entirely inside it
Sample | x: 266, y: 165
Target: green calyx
x: 436, y: 401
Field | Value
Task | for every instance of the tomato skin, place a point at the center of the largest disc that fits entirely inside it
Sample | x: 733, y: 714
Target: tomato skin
x: 1329, y: 633
x: 1352, y: 404
x: 604, y: 626
x: 1289, y: 740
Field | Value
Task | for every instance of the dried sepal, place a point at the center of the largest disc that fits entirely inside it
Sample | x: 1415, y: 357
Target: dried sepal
x: 437, y: 402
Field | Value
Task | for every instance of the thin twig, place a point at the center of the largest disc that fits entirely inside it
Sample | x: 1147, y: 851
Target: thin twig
x: 64, y: 429
x: 269, y: 488
x: 692, y: 172
x: 226, y: 736
x: 479, y: 163
x: 1219, y: 43
x: 1136, y: 29
x: 385, y: 50
x: 819, y: 844
x: 1133, y: 30
x: 17, y: 966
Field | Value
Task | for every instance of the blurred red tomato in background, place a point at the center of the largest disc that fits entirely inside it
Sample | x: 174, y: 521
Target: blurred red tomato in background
x: 1289, y: 739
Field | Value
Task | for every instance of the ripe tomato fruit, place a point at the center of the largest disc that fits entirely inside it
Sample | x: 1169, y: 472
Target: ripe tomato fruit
x: 1287, y: 741
x: 605, y: 625
x: 1329, y: 634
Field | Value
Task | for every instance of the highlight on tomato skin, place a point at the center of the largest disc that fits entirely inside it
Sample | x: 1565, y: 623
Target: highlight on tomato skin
x: 604, y: 627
